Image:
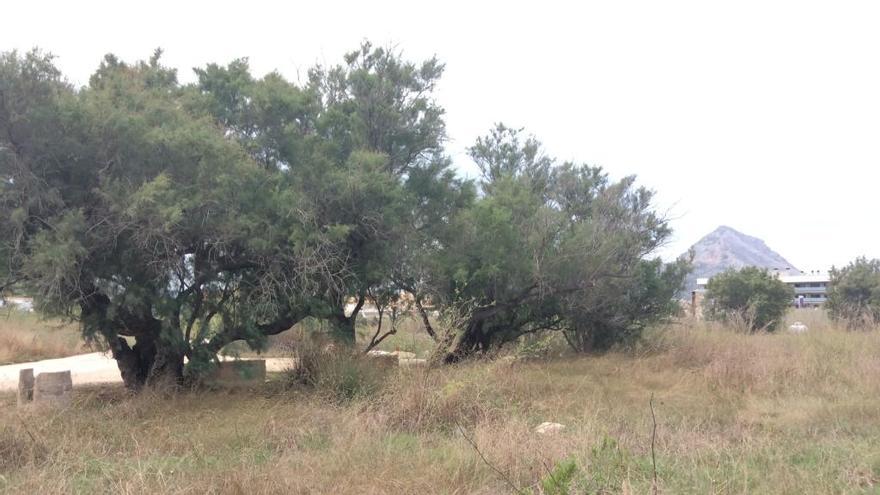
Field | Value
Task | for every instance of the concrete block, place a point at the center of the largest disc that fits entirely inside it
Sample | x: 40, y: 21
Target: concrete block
x: 53, y: 389
x: 25, y: 386
x: 384, y: 358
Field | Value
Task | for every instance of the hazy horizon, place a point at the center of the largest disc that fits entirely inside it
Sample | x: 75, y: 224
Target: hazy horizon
x: 762, y: 116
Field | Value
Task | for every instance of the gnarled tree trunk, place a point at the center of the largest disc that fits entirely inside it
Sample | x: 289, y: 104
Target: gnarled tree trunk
x: 343, y: 327
x: 471, y: 340
x: 426, y: 321
x: 147, y: 363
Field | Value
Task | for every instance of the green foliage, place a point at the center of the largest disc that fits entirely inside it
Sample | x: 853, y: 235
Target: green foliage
x: 141, y: 219
x: 751, y: 295
x: 546, y: 248
x: 559, y: 479
x: 187, y: 217
x: 854, y: 293
x: 359, y: 151
x: 32, y: 94
x: 173, y: 219
x: 621, y: 308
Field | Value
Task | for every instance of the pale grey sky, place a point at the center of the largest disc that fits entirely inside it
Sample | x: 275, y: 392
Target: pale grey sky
x: 760, y: 115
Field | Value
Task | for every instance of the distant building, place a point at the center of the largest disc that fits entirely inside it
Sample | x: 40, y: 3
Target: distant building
x: 810, y: 289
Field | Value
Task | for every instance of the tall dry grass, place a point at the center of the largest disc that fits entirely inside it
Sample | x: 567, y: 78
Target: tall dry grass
x: 736, y: 413
x: 27, y: 337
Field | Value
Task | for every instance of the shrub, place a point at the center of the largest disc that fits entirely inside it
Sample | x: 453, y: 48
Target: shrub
x: 854, y: 293
x: 546, y: 247
x: 750, y: 295
x: 622, y: 308
x: 339, y: 375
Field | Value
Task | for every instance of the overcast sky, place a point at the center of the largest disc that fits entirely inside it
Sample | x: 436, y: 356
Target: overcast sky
x: 760, y: 115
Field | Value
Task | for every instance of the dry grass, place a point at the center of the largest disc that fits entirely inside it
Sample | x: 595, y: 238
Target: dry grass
x: 26, y: 337
x: 736, y: 414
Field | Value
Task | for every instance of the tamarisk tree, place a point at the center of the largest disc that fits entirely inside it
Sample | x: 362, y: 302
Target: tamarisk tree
x: 142, y: 221
x: 750, y: 295
x: 854, y: 293
x: 360, y: 147
x: 171, y: 220
x: 550, y: 247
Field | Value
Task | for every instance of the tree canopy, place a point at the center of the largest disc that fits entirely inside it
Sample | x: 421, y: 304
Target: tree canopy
x: 750, y: 294
x: 171, y: 219
x: 142, y: 220
x: 548, y: 247
x: 854, y: 293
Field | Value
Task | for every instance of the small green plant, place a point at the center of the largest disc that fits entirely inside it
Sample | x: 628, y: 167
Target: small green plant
x: 558, y: 480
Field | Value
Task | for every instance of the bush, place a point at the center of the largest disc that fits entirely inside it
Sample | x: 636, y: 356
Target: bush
x: 750, y: 295
x: 623, y: 308
x: 340, y: 375
x: 854, y: 293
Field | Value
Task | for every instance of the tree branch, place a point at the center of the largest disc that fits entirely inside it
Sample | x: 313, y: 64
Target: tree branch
x: 425, y: 321
x: 282, y: 323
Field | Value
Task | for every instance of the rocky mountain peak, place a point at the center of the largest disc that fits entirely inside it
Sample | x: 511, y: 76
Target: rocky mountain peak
x: 726, y: 247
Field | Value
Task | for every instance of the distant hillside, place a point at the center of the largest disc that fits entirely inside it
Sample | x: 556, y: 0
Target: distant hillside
x: 727, y: 248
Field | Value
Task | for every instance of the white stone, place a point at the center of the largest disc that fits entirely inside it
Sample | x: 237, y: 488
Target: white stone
x: 797, y: 327
x: 548, y: 427
x: 375, y: 352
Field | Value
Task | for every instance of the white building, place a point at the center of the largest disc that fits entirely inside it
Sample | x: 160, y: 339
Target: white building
x: 810, y: 289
